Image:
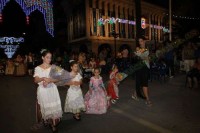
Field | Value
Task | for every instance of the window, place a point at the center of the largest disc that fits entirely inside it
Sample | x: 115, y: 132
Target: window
x: 90, y: 3
x: 119, y: 25
x: 108, y: 6
x: 97, y: 4
x: 94, y: 22
x: 133, y: 26
x: 103, y: 8
x: 113, y: 13
x: 123, y: 31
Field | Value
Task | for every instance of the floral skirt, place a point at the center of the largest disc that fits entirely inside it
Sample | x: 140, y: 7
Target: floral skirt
x: 96, y: 101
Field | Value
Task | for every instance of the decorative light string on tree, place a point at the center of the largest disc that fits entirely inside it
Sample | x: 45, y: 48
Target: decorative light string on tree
x: 29, y: 6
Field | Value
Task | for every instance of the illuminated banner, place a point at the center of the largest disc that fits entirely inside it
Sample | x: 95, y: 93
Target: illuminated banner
x: 113, y: 20
x: 10, y: 50
x: 11, y: 40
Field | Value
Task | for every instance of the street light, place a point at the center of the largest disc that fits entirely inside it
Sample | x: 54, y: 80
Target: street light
x: 115, y: 35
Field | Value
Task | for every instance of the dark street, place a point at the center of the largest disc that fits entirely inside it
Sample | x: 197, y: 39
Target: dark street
x: 175, y: 109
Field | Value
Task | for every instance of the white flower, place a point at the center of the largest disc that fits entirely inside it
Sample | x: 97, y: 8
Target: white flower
x: 43, y: 50
x: 70, y: 61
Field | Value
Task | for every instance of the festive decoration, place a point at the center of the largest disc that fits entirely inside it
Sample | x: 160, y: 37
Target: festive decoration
x: 27, y: 19
x: 184, y: 17
x: 143, y: 23
x: 9, y: 50
x: 113, y: 20
x: 11, y: 40
x: 28, y: 6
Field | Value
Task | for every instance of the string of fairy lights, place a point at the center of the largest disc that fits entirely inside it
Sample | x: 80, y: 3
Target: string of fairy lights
x: 184, y: 17
x: 29, y: 6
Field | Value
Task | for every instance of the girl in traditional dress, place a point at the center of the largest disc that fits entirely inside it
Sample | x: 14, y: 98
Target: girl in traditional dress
x: 74, y: 102
x: 113, y: 90
x: 9, y: 67
x: 49, y: 109
x: 92, y: 63
x: 96, y: 97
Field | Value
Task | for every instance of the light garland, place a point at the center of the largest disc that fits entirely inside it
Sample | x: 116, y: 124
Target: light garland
x: 11, y: 40
x: 9, y: 50
x: 28, y: 6
x: 184, y: 17
x: 113, y: 20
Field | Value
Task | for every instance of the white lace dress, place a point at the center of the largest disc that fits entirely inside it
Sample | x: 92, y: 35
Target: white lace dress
x: 74, y: 102
x: 48, y: 97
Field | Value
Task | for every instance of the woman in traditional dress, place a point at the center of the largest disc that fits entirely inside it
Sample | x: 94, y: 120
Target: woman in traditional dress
x: 9, y: 67
x: 49, y: 111
x: 142, y: 74
x: 19, y: 66
x: 96, y: 97
x: 29, y: 61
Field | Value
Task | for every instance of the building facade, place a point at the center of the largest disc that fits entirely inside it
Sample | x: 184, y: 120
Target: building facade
x: 92, y: 22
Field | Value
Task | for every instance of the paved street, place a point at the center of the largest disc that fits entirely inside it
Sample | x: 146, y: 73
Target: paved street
x: 175, y: 109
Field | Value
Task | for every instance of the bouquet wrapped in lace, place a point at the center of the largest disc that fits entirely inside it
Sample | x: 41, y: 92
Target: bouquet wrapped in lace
x: 60, y: 74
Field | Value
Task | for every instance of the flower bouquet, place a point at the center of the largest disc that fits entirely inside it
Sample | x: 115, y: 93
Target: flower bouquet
x: 121, y: 76
x: 140, y: 50
x: 60, y: 74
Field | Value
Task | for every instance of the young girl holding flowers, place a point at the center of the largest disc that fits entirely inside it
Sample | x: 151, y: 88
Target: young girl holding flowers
x: 74, y: 102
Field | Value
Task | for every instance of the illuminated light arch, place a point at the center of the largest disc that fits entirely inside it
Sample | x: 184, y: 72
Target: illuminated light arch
x: 29, y: 6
